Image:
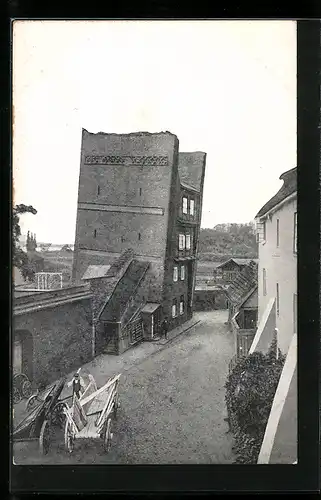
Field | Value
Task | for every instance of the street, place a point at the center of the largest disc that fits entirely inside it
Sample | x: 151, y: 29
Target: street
x: 172, y: 406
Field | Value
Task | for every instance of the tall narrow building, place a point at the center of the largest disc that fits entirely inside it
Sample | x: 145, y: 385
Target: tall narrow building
x: 139, y: 197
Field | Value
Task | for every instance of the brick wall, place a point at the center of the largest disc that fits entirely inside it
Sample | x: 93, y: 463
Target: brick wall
x: 127, y: 185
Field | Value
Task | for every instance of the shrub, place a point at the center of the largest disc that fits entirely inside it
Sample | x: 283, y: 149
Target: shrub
x: 250, y: 390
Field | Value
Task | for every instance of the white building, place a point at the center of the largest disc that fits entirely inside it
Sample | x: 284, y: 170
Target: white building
x: 277, y: 272
x: 277, y: 313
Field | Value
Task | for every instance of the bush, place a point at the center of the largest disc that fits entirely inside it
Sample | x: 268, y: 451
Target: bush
x: 250, y: 391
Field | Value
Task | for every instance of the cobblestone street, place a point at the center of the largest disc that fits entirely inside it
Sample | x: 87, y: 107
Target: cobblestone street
x: 172, y: 405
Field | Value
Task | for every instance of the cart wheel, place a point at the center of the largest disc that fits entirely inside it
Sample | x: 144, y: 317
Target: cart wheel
x: 31, y: 402
x: 69, y: 440
x: 108, y: 436
x: 44, y: 439
x: 16, y: 396
x: 26, y: 389
x: 58, y: 417
x: 116, y: 406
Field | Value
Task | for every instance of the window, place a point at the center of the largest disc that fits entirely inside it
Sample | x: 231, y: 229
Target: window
x: 181, y: 241
x: 264, y: 230
x: 140, y: 191
x: 264, y: 281
x: 95, y: 233
x: 181, y: 305
x: 98, y: 190
x: 174, y: 308
x: 184, y: 205
x: 139, y: 236
x: 277, y: 300
x: 191, y: 207
x: 277, y: 232
x: 188, y: 241
x: 295, y: 309
x: 295, y: 236
x: 182, y: 273
x: 175, y: 273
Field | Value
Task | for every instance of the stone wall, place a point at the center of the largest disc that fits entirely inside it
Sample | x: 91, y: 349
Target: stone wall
x: 61, y: 337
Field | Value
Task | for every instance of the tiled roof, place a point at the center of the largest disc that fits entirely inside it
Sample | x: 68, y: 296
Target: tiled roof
x: 242, y: 284
x: 289, y: 187
x: 124, y: 290
x: 191, y: 168
x: 240, y: 262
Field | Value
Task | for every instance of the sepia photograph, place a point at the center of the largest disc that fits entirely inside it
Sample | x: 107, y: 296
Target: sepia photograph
x: 154, y: 226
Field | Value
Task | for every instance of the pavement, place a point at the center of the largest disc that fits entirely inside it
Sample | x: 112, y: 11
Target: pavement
x: 172, y: 401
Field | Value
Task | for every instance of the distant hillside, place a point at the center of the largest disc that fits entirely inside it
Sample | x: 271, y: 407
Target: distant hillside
x: 228, y: 240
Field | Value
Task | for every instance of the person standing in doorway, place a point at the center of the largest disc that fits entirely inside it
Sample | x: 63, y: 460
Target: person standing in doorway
x: 165, y: 328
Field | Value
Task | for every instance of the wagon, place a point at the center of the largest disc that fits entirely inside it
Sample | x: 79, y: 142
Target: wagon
x: 90, y: 417
x: 21, y: 387
x: 38, y: 424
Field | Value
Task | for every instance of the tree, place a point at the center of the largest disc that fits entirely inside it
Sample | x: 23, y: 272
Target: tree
x: 20, y: 258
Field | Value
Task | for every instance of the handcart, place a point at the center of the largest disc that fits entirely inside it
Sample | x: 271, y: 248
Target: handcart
x: 38, y: 425
x: 21, y: 387
x: 90, y: 417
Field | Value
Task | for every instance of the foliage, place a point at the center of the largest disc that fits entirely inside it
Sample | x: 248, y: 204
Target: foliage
x: 31, y: 243
x: 20, y: 258
x: 225, y: 241
x: 250, y: 391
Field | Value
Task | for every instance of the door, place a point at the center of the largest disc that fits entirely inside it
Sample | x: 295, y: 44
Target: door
x: 190, y: 284
x: 250, y: 318
x: 17, y: 357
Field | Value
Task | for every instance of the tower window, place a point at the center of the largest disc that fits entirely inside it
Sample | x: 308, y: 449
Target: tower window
x: 140, y: 191
x: 188, y: 241
x: 181, y: 305
x: 139, y: 236
x: 277, y: 232
x: 277, y: 299
x: 175, y: 273
x: 191, y: 207
x: 95, y: 233
x: 174, y: 308
x: 181, y: 241
x: 182, y: 273
x: 184, y: 205
x: 98, y: 190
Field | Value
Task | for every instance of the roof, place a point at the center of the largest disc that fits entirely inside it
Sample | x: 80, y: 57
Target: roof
x: 289, y: 187
x: 191, y: 168
x: 123, y: 291
x: 150, y: 307
x: 239, y: 262
x: 243, y: 284
x: 95, y: 272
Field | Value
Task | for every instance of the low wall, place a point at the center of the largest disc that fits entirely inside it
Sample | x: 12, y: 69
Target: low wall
x: 208, y: 300
x: 280, y: 440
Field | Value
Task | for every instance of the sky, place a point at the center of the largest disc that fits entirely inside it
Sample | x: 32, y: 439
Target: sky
x: 227, y: 88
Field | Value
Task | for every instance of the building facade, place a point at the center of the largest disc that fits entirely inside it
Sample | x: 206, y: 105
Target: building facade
x: 277, y: 276
x: 138, y: 192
